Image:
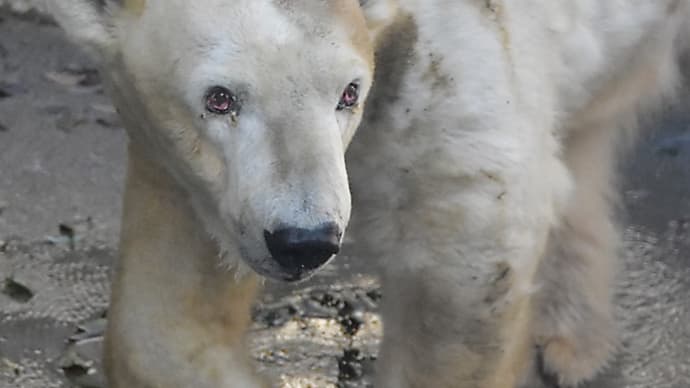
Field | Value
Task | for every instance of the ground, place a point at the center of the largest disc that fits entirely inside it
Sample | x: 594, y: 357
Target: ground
x: 62, y: 152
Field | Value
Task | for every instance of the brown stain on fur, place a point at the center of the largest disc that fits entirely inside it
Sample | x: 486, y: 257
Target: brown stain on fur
x: 222, y: 321
x: 206, y: 308
x: 435, y: 75
x: 219, y: 321
x: 496, y: 12
x: 501, y: 284
x: 514, y: 315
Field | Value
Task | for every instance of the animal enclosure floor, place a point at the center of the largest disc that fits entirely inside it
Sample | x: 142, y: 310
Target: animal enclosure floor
x: 62, y: 153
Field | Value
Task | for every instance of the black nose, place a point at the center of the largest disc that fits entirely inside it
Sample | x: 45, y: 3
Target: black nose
x: 301, y: 251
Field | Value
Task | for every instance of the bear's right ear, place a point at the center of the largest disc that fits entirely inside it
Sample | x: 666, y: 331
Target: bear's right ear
x: 89, y: 22
x: 379, y: 14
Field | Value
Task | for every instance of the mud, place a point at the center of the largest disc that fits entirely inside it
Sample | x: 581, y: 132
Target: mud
x: 62, y: 153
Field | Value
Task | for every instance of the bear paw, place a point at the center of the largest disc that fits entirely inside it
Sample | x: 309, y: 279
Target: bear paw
x: 569, y: 362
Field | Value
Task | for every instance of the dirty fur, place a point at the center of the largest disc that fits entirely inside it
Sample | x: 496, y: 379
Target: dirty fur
x: 481, y: 179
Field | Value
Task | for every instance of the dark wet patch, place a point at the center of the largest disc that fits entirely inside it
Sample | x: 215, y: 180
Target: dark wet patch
x: 674, y: 146
x: 393, y: 59
x: 349, y: 319
x: 31, y: 16
x: 4, y: 128
x: 17, y: 291
x: 351, y: 363
x: 11, y: 89
x: 344, y: 304
x: 349, y: 367
x: 275, y: 317
x: 374, y: 295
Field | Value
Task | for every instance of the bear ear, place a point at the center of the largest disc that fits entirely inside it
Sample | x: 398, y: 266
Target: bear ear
x: 379, y: 14
x: 89, y: 23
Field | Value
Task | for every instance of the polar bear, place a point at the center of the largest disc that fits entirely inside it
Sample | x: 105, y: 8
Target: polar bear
x: 480, y: 179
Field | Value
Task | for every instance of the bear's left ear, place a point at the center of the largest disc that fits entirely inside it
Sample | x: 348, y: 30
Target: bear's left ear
x: 91, y: 23
x: 379, y: 14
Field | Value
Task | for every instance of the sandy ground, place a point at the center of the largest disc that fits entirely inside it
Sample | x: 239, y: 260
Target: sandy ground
x: 62, y: 153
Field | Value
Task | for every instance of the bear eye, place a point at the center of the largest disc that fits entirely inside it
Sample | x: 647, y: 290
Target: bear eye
x: 350, y: 97
x: 220, y: 100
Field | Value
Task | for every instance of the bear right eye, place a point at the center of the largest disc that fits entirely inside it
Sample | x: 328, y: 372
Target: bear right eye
x: 220, y: 100
x: 350, y: 97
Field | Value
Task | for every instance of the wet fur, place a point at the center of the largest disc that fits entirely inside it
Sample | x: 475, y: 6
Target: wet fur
x: 482, y: 176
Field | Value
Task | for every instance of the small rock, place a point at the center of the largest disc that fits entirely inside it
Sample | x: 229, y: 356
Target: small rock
x: 79, y: 364
x: 374, y: 295
x: 15, y: 368
x: 108, y: 116
x: 66, y: 230
x: 89, y: 330
x: 104, y: 108
x: 276, y: 317
x: 108, y: 122
x: 68, y: 121
x: 9, y: 89
x: 75, y: 76
x: 67, y: 236
x: 17, y: 291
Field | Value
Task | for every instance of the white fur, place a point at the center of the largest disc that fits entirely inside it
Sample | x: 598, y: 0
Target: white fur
x: 471, y: 166
x: 481, y: 174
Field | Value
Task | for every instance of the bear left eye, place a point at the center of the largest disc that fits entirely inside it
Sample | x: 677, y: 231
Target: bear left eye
x: 220, y: 100
x: 350, y: 97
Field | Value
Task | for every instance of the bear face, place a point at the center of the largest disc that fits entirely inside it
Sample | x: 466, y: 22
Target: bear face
x: 250, y: 106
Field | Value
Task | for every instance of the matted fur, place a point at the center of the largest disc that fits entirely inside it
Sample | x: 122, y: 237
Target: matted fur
x: 482, y: 174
